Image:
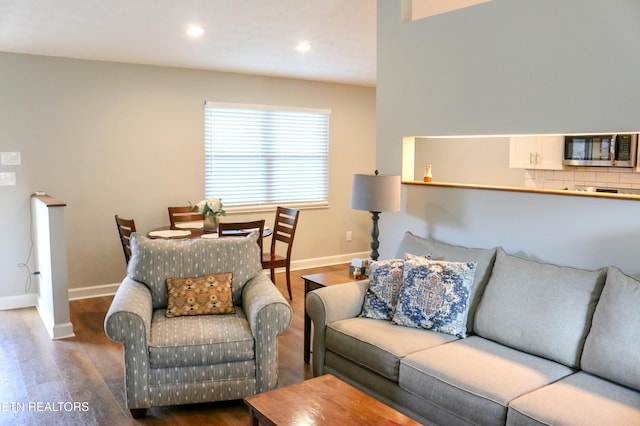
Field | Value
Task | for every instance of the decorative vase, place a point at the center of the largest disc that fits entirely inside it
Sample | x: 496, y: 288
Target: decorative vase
x: 211, y: 223
x: 427, y: 173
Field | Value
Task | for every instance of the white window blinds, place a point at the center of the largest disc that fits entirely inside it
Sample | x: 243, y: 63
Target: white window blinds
x: 260, y: 155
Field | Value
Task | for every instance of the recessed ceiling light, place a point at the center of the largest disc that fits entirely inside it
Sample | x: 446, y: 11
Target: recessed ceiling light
x: 195, y: 31
x: 303, y: 47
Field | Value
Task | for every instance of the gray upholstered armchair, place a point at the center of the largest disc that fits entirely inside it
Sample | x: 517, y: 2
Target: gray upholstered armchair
x: 196, y: 358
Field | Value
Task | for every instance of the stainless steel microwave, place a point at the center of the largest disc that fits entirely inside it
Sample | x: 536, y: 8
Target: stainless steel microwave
x: 601, y: 150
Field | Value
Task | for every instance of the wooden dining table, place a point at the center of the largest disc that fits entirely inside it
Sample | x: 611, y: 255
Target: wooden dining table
x: 191, y: 233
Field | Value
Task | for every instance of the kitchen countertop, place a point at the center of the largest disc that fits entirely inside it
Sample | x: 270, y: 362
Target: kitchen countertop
x: 577, y: 193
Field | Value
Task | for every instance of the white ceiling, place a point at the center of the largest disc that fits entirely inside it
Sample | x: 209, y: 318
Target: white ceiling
x: 246, y: 36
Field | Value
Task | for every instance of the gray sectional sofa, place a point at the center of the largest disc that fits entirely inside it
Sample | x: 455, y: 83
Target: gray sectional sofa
x: 543, y: 345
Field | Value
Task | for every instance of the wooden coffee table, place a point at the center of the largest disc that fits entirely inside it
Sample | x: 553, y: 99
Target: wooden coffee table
x: 324, y: 400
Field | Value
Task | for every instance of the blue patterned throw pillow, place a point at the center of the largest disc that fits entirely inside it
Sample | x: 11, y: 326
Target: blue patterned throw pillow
x: 435, y: 295
x: 385, y: 280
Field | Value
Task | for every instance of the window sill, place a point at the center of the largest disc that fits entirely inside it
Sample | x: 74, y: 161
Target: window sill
x: 272, y: 207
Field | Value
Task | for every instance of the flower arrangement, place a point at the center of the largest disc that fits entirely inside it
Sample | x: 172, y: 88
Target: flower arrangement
x: 210, y: 207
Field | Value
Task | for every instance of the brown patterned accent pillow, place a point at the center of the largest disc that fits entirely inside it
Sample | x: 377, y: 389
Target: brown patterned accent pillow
x: 209, y: 294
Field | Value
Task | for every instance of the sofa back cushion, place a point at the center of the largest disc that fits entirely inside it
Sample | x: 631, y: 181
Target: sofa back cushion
x: 154, y: 260
x: 539, y: 308
x: 612, y: 348
x: 483, y: 258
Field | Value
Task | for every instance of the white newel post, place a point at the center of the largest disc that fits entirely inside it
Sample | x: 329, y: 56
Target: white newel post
x: 51, y: 262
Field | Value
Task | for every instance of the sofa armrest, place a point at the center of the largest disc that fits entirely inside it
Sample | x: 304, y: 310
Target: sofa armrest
x: 130, y: 313
x: 329, y: 304
x: 268, y: 314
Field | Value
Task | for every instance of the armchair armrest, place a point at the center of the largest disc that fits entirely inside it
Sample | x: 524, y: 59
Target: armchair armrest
x: 130, y: 312
x: 260, y: 298
x: 268, y: 314
x: 129, y: 321
x: 329, y: 304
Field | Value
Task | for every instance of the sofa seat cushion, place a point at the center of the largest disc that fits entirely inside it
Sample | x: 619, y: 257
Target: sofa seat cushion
x: 579, y: 399
x: 539, y: 308
x: 476, y: 378
x: 199, y: 340
x: 612, y: 349
x: 378, y: 345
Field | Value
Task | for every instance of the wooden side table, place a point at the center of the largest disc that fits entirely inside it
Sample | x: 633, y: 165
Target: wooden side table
x: 313, y: 282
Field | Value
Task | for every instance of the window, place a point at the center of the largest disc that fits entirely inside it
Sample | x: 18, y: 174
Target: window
x: 260, y: 155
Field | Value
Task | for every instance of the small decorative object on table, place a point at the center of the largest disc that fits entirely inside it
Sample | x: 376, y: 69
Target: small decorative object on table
x: 212, y: 209
x: 427, y: 173
x: 358, y: 268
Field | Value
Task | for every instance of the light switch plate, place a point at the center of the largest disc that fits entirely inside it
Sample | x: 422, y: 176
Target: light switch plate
x: 7, y: 178
x: 10, y: 159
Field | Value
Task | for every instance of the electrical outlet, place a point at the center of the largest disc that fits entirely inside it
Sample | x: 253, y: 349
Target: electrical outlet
x: 349, y: 235
x: 10, y: 159
x: 7, y: 178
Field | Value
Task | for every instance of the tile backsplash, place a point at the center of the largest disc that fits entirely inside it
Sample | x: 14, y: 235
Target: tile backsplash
x: 582, y: 176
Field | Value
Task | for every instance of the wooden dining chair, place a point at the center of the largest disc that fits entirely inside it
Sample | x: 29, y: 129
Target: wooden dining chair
x: 241, y: 229
x: 182, y: 214
x: 284, y: 230
x: 126, y: 227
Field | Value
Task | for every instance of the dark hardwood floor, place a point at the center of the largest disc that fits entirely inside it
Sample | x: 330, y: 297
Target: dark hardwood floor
x: 79, y: 381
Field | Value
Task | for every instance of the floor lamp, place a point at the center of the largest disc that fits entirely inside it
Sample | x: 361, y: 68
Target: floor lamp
x: 375, y: 194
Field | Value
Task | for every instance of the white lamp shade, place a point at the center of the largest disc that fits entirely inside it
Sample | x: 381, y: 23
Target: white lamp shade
x: 375, y: 193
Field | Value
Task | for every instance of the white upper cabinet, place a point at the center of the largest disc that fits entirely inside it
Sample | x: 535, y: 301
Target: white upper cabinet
x: 536, y: 152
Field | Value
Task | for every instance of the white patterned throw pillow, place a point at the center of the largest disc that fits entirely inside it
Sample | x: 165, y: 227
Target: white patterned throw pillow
x: 435, y: 295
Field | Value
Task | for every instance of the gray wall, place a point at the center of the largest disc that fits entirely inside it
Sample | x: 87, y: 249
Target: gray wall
x: 111, y: 138
x: 511, y: 67
x: 482, y: 161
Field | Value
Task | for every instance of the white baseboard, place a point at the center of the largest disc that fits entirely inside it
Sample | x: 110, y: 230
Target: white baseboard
x: 326, y: 261
x: 56, y: 331
x: 110, y: 289
x: 17, y: 302
x: 29, y: 300
x: 93, y: 291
